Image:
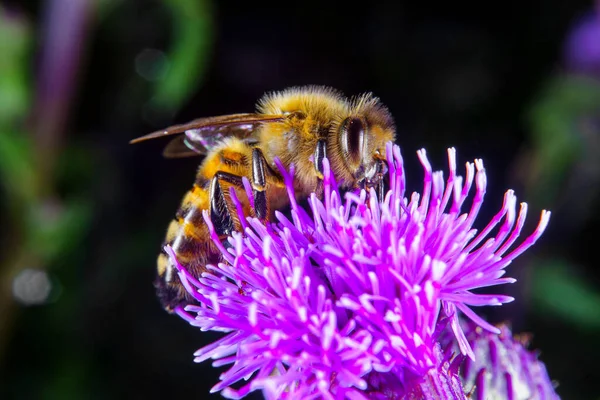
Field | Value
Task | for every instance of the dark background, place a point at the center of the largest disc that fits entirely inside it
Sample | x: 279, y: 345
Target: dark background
x: 83, y: 214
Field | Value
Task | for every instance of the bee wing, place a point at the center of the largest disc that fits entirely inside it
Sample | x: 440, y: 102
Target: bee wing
x: 179, y: 147
x: 200, y: 135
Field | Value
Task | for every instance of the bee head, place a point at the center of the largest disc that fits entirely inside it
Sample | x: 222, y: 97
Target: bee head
x: 362, y: 137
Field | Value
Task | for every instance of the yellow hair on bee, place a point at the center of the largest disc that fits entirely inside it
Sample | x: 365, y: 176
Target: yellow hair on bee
x: 162, y: 263
x: 367, y: 104
x: 320, y: 102
x: 232, y: 155
x: 197, y: 197
x: 314, y: 110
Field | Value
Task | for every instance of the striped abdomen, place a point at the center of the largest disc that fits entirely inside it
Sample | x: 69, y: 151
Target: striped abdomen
x: 188, y: 234
x: 189, y: 238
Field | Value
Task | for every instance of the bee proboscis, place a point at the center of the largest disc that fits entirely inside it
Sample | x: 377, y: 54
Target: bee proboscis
x: 298, y: 125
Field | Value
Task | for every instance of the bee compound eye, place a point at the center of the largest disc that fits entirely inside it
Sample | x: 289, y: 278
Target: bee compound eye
x: 352, y: 137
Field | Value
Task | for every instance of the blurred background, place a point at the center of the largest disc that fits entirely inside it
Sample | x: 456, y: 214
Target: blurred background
x: 83, y: 214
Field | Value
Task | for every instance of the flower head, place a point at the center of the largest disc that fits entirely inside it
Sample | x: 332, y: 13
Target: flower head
x: 503, y: 368
x: 349, y: 293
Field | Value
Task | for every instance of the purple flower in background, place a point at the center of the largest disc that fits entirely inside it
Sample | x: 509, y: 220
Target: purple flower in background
x: 582, y: 46
x: 348, y: 299
x: 503, y: 368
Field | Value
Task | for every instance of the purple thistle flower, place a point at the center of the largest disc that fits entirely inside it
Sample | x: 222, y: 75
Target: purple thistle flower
x: 338, y: 301
x: 441, y: 382
x: 503, y: 367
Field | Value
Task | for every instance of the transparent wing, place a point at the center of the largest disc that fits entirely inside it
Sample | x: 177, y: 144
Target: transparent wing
x: 201, y: 135
x: 179, y: 147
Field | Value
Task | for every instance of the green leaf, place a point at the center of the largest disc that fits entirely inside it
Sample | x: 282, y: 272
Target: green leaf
x: 188, y: 56
x: 15, y: 48
x: 17, y: 169
x: 556, y: 130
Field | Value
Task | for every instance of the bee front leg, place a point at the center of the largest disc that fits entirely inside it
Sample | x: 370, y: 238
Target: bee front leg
x: 380, y: 186
x: 374, y: 179
x: 259, y: 184
x: 318, y: 157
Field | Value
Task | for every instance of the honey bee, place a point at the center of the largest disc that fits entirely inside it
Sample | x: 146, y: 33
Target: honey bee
x: 300, y: 125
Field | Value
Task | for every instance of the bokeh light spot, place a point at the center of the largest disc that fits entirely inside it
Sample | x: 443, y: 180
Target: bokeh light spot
x: 31, y: 287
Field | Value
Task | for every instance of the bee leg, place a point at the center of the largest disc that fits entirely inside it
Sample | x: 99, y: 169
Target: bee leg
x: 219, y: 210
x: 380, y: 190
x: 380, y: 187
x: 318, y: 157
x: 259, y: 184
